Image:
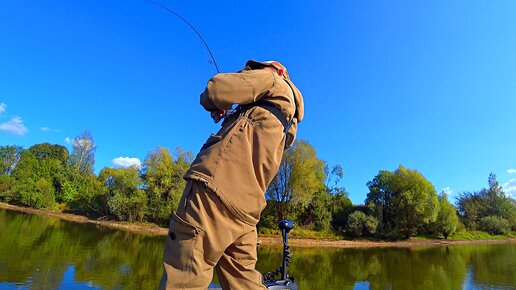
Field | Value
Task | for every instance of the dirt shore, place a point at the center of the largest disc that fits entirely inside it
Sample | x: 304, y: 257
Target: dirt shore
x: 152, y: 229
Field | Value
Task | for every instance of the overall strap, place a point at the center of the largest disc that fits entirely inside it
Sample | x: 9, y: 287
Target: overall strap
x: 276, y: 112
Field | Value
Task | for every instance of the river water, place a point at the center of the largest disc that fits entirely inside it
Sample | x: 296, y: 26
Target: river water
x: 38, y: 252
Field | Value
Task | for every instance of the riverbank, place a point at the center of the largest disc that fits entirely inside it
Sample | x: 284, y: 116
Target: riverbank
x: 152, y: 229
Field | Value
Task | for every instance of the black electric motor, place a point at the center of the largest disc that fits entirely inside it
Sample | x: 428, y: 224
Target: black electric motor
x: 284, y: 281
x: 271, y: 279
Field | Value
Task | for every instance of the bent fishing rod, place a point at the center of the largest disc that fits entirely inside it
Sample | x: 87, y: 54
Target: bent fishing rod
x: 159, y: 5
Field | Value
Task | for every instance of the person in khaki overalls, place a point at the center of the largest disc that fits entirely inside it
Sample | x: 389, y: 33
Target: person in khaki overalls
x: 215, y: 223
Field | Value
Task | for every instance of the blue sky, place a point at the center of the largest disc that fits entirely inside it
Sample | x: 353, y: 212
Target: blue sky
x: 427, y: 84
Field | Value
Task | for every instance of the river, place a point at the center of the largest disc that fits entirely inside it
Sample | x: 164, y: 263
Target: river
x: 38, y: 252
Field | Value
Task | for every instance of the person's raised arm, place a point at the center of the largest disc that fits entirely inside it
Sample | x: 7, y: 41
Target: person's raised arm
x: 245, y: 87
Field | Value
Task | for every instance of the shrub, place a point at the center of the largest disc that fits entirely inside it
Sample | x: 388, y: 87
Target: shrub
x: 361, y: 224
x: 128, y: 208
x: 495, y: 225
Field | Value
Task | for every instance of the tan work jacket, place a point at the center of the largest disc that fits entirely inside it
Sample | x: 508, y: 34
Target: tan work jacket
x: 240, y: 161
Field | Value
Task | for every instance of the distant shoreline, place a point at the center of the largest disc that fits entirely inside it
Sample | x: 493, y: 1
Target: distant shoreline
x: 152, y: 229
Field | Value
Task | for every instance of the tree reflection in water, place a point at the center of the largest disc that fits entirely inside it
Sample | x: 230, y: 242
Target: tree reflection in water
x: 47, y: 253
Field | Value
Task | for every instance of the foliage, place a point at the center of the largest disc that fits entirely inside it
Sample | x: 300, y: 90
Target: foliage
x: 361, y: 224
x: 379, y: 200
x: 491, y: 201
x: 495, y: 225
x: 399, y: 204
x: 6, y: 188
x: 9, y: 158
x: 163, y: 177
x: 84, y: 192
x: 341, y: 206
x: 82, y: 158
x: 402, y: 201
x: 126, y: 199
x: 300, y: 175
x: 39, y: 175
x: 317, y: 214
x: 447, y: 219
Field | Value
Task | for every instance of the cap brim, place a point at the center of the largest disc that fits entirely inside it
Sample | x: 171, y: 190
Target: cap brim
x: 256, y: 64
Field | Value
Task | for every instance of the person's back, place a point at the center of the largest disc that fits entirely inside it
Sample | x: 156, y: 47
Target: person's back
x: 215, y: 224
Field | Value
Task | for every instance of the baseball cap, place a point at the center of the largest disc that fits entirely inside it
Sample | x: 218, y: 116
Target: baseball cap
x: 275, y: 64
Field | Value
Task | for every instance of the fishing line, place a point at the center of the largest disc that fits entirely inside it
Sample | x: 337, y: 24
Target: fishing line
x: 191, y: 26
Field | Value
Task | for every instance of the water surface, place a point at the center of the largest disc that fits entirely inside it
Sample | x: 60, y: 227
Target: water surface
x: 38, y: 252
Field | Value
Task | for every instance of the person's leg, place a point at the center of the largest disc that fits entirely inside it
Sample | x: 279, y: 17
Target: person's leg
x: 236, y: 267
x: 200, y: 231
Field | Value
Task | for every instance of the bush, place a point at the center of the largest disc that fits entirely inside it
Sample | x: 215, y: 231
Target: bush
x: 6, y: 186
x: 39, y: 194
x: 128, y: 208
x: 361, y: 224
x: 495, y: 225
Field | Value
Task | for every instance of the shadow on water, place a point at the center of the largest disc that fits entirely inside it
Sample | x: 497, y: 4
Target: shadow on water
x: 47, y: 253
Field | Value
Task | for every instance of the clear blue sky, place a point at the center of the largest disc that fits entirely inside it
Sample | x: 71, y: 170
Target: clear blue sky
x: 427, y: 84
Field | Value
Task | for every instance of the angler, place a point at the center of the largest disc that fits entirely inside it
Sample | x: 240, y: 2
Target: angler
x: 215, y: 224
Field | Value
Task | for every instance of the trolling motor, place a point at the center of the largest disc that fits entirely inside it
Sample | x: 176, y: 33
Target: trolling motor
x: 285, y: 282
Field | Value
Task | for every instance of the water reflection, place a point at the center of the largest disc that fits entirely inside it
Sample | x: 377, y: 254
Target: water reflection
x: 47, y: 253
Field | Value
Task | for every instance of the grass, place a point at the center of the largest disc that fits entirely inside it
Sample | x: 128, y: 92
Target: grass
x: 301, y: 233
x: 478, y: 235
x: 463, y: 235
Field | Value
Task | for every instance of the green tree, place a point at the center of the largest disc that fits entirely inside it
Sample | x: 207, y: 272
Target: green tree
x: 9, y: 158
x: 300, y: 175
x: 126, y: 199
x: 361, y: 224
x: 164, y: 183
x: 317, y: 214
x: 471, y: 207
x: 326, y: 203
x: 447, y: 219
x: 52, y: 165
x: 39, y: 175
x: 415, y: 201
x: 340, y: 206
x: 82, y: 158
x: 491, y: 201
x: 495, y: 225
x: 83, y: 191
x: 403, y: 201
x: 379, y: 200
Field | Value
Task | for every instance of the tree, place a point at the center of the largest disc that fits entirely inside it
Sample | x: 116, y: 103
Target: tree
x: 415, y: 201
x: 39, y: 175
x: 126, y: 199
x: 471, y: 207
x: 379, y: 200
x: 318, y: 212
x: 495, y: 225
x: 82, y: 158
x: 300, y: 175
x: 361, y: 224
x: 402, y: 201
x: 491, y: 201
x: 340, y: 207
x: 53, y: 162
x: 164, y: 183
x: 83, y: 192
x: 447, y: 219
x: 9, y: 158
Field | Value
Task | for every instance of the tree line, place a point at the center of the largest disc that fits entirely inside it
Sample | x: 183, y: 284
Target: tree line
x: 400, y: 203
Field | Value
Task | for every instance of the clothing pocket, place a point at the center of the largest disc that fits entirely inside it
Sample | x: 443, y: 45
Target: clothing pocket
x: 213, y: 139
x: 182, y: 244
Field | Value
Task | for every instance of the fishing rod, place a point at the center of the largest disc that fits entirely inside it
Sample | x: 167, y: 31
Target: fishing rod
x: 157, y: 4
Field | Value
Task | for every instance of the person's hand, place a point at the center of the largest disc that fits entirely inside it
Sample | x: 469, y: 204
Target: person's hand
x: 218, y: 115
